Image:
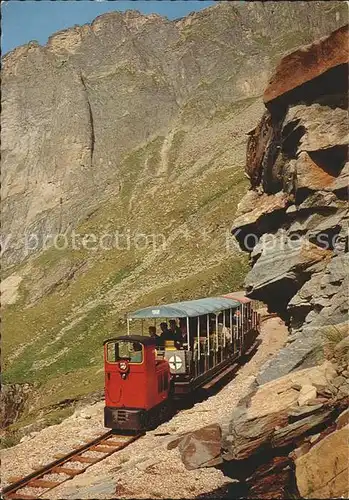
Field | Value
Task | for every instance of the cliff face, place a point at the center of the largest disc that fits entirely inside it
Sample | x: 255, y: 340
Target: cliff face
x: 287, y: 438
x: 294, y: 220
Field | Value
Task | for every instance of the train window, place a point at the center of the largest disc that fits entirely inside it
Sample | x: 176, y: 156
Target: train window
x: 124, y: 349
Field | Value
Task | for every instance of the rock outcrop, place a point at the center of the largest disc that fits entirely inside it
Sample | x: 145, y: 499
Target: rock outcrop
x: 13, y: 400
x: 322, y: 472
x: 294, y: 220
x: 286, y: 439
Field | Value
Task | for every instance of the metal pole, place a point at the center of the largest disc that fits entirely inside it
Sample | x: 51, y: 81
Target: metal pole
x: 198, y: 341
x: 188, y: 336
x: 243, y: 324
x: 208, y: 333
x: 231, y: 328
x: 216, y: 332
x: 198, y: 337
x: 128, y: 326
x: 240, y: 328
x: 224, y: 339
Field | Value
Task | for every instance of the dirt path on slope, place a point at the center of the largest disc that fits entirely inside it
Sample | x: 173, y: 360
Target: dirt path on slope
x: 145, y: 469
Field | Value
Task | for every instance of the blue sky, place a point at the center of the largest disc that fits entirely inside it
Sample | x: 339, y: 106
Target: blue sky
x: 27, y: 20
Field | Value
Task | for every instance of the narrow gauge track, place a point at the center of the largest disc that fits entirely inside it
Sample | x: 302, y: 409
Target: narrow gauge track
x: 104, y: 445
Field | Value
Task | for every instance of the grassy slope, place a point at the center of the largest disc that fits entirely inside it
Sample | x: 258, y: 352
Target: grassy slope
x: 189, y: 193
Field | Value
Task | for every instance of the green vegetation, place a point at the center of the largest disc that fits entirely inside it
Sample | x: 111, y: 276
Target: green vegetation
x: 72, y: 300
x: 14, y: 432
x: 73, y: 349
x: 234, y: 107
x: 9, y: 439
x: 332, y: 336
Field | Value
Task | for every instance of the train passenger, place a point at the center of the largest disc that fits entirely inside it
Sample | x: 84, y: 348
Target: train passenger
x: 168, y: 334
x: 175, y: 331
x: 152, y: 332
x: 183, y: 329
x: 165, y: 332
x: 136, y: 355
x: 225, y: 331
x: 158, y: 340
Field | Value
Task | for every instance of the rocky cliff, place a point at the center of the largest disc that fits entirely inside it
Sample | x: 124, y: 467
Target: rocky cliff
x: 294, y: 219
x: 288, y: 437
x: 132, y: 128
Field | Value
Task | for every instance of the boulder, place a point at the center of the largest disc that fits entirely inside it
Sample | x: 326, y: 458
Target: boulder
x: 320, y: 199
x: 201, y: 448
x: 323, y: 471
x: 306, y: 349
x: 342, y: 181
x: 249, y: 221
x: 308, y: 63
x: 273, y: 417
x: 290, y: 433
x: 280, y: 269
x: 310, y: 175
x: 271, y: 480
x: 323, y: 128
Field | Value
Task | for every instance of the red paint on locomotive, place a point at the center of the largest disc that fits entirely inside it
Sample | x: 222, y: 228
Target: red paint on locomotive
x: 135, y: 381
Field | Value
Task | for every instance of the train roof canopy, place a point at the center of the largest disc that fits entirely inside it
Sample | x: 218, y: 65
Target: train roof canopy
x: 188, y: 308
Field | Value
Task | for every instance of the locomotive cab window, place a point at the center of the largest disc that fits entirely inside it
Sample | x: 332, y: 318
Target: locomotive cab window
x: 124, y: 349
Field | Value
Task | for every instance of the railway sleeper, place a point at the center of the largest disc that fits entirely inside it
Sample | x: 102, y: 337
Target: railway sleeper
x: 14, y: 479
x: 43, y: 483
x: 103, y: 449
x: 110, y: 442
x: 21, y: 496
x: 66, y: 470
x: 84, y: 460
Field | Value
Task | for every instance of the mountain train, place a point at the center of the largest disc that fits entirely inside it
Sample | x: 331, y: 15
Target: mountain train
x: 146, y: 373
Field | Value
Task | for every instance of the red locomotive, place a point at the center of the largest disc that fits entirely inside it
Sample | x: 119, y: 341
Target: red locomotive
x: 142, y: 379
x: 137, y: 385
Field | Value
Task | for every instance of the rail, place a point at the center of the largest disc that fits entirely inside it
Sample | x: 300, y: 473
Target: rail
x: 105, y: 445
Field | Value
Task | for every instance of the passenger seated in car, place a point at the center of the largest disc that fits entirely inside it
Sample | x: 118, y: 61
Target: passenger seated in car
x: 166, y: 334
x: 152, y: 332
x: 183, y: 329
x: 136, y: 355
x: 154, y: 335
x: 176, y: 333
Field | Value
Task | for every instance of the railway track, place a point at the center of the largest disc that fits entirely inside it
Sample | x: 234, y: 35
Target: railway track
x: 67, y: 466
x: 77, y: 461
